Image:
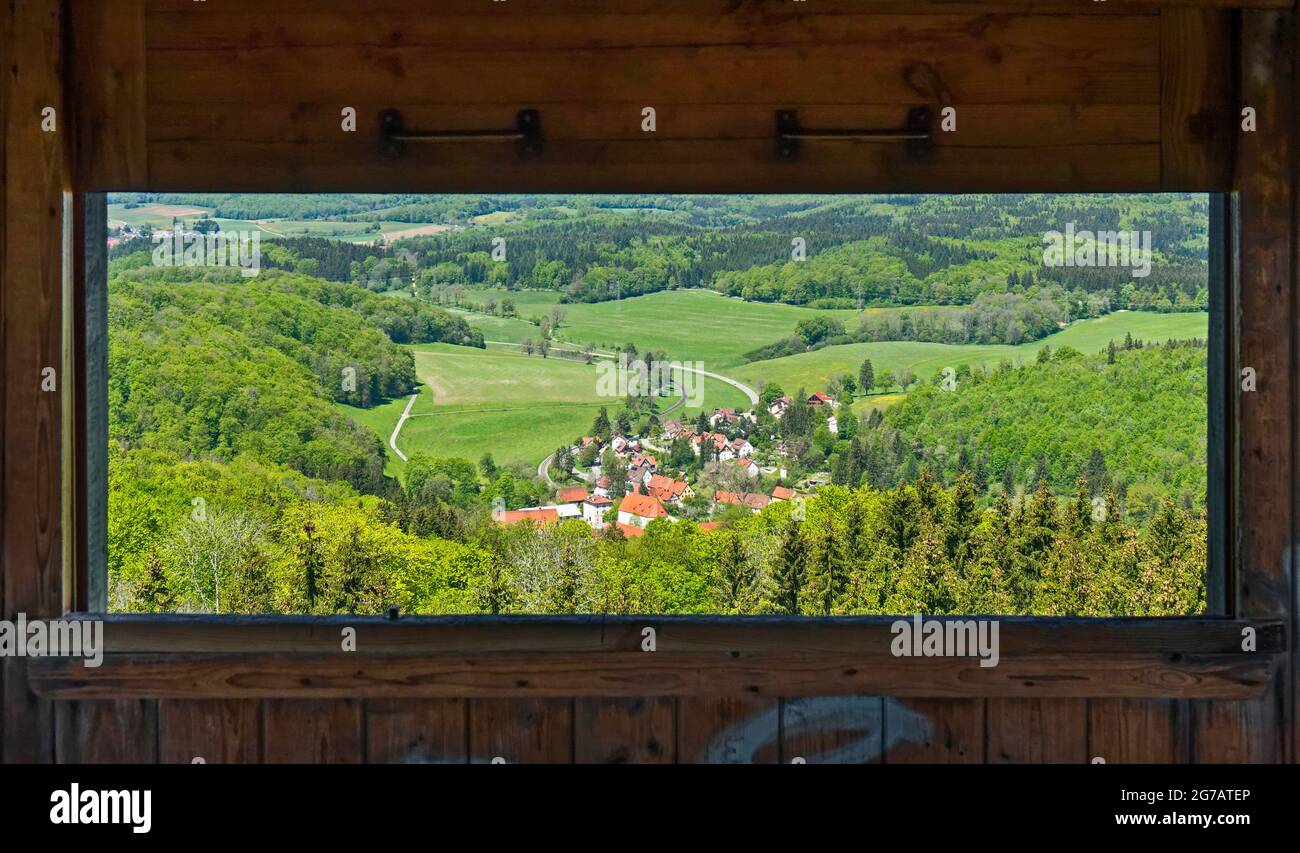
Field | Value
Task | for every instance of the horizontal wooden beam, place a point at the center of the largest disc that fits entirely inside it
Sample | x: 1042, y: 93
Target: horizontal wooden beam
x: 867, y: 636
x: 640, y: 674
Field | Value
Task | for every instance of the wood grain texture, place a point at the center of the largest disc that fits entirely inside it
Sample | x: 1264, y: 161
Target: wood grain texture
x: 1197, y: 111
x: 1044, y: 101
x: 121, y: 731
x: 1247, y: 732
x: 296, y: 731
x: 417, y: 731
x: 1266, y: 303
x: 1139, y: 731
x: 107, y: 92
x: 30, y: 340
x: 521, y: 731
x: 1036, y: 731
x: 866, y: 636
x: 734, y: 729
x: 629, y: 674
x: 209, y: 731
x: 934, y: 731
x: 639, y: 730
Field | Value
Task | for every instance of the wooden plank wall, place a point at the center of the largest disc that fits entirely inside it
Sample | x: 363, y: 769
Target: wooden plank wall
x: 723, y: 730
x: 1073, y: 99
x: 173, y: 95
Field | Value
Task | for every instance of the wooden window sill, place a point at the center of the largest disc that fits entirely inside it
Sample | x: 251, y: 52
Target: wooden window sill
x: 254, y: 657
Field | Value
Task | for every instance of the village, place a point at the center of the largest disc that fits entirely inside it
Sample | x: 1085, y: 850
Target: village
x: 725, y: 475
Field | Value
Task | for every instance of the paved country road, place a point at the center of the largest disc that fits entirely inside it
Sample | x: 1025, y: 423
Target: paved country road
x: 392, y: 439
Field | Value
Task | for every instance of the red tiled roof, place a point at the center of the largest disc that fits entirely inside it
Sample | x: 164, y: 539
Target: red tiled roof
x: 642, y: 505
x: 783, y: 493
x: 755, y: 500
x: 537, y: 516
x: 599, y: 500
x: 722, y: 497
x: 630, y: 530
x: 574, y: 495
x: 666, y: 487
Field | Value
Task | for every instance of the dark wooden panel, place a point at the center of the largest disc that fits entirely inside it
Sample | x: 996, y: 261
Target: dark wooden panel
x: 209, y: 731
x: 629, y: 674
x: 934, y: 731
x: 107, y: 85
x: 521, y: 731
x: 417, y: 731
x: 1138, y: 731
x: 728, y: 730
x: 833, y: 730
x: 624, y: 731
x: 1265, y: 415
x: 1236, y: 732
x: 123, y: 731
x: 649, y: 166
x: 30, y: 341
x: 296, y: 731
x: 845, y: 59
x: 864, y: 636
x: 758, y: 9
x: 1197, y: 111
x: 1266, y: 508
x: 1044, y: 101
x: 1037, y: 731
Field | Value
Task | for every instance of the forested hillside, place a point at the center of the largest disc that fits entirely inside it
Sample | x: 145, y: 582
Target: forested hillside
x: 1104, y: 417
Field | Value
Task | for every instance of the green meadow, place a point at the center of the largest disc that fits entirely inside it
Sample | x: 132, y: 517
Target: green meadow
x: 812, y: 370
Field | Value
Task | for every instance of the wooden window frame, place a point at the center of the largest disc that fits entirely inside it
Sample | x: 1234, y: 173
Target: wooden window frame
x: 187, y: 656
x: 482, y: 656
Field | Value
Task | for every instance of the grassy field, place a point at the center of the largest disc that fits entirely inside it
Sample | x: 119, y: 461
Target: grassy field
x: 689, y: 325
x: 518, y: 408
x: 508, y: 329
x: 812, y: 370
x: 154, y: 215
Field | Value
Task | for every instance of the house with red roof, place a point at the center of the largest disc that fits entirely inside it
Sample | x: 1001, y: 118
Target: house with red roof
x: 668, y: 490
x: 541, y: 516
x: 572, y: 495
x: 817, y: 398
x: 782, y: 493
x: 748, y: 466
x: 639, y: 510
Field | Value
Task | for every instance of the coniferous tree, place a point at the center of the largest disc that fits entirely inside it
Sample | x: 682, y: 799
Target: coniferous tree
x: 866, y: 376
x: 790, y: 573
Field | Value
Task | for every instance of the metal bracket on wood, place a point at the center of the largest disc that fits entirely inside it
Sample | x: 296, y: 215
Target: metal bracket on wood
x: 526, y: 134
x: 917, y: 135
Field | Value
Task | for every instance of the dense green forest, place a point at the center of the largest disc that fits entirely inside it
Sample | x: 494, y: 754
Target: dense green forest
x: 268, y: 542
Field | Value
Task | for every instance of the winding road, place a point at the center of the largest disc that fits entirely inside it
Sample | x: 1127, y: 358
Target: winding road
x: 392, y: 439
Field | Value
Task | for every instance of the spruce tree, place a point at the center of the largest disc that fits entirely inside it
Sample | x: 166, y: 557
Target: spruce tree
x: 789, y: 575
x: 867, y: 376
